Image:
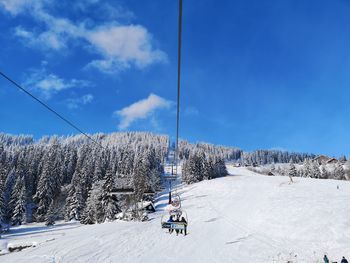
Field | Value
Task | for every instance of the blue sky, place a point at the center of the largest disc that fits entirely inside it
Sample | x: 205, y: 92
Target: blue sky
x: 256, y: 74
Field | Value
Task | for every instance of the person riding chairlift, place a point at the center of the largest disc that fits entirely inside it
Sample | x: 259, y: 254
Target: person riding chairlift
x: 177, y: 220
x: 183, y: 220
x: 171, y: 220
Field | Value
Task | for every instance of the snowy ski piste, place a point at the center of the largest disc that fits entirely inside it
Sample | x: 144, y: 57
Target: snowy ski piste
x: 244, y: 217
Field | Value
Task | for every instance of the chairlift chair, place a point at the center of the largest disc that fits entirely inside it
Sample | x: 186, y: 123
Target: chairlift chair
x: 171, y: 225
x: 175, y: 202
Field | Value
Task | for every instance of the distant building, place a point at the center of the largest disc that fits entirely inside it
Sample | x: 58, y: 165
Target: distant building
x: 321, y: 159
x: 332, y: 160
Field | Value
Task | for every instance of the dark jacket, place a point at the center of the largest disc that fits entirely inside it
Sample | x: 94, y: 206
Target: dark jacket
x: 344, y: 260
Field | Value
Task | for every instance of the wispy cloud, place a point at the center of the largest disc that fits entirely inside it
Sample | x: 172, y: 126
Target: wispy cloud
x: 45, y: 40
x: 191, y: 111
x: 15, y: 7
x: 141, y: 109
x: 76, y: 103
x: 117, y: 46
x: 49, y: 84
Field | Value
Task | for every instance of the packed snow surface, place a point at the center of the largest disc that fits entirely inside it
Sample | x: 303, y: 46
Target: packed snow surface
x: 244, y: 217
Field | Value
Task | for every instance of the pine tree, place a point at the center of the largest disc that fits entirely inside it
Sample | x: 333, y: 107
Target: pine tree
x: 219, y: 168
x: 324, y: 172
x: 292, y: 171
x: 208, y: 169
x: 94, y: 212
x: 8, y: 205
x: 193, y: 169
x: 49, y: 183
x: 51, y: 214
x: 339, y: 173
x: 74, y: 203
x: 2, y: 192
x: 315, y: 170
x: 109, y: 201
x: 307, y: 169
x: 18, y: 201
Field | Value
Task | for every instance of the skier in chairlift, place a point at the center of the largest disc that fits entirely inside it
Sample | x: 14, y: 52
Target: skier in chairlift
x: 171, y: 220
x: 176, y: 220
x: 183, y: 220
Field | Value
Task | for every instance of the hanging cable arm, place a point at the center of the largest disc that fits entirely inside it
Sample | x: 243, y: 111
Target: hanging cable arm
x: 178, y: 84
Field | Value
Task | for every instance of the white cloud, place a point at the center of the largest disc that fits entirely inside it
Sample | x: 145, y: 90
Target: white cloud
x: 119, y: 47
x: 78, y: 102
x: 15, y: 7
x: 46, y: 40
x: 103, y: 10
x: 142, y: 109
x: 122, y: 46
x: 50, y: 84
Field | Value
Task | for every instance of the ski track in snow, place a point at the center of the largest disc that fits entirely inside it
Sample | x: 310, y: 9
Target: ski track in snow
x: 244, y: 217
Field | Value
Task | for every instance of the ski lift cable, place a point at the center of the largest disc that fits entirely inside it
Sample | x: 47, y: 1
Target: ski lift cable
x: 49, y: 108
x: 178, y: 84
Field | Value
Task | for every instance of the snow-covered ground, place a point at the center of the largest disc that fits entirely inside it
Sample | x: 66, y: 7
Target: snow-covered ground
x: 241, y: 218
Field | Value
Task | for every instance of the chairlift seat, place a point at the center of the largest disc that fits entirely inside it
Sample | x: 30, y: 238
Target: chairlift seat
x: 170, y: 177
x: 174, y: 225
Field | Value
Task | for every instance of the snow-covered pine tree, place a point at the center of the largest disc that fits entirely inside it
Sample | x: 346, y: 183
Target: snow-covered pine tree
x: 2, y: 192
x: 292, y: 171
x: 307, y: 170
x: 51, y: 214
x: 153, y: 170
x: 109, y: 201
x: 141, y: 172
x: 49, y: 183
x: 74, y: 203
x: 94, y: 212
x: 347, y: 169
x: 98, y: 169
x: 19, y: 202
x: 219, y: 168
x: 208, y: 168
x: 315, y: 170
x: 193, y: 168
x: 339, y: 173
x: 324, y: 173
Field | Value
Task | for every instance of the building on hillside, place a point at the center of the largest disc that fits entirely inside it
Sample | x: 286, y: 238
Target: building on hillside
x: 332, y: 160
x: 321, y: 159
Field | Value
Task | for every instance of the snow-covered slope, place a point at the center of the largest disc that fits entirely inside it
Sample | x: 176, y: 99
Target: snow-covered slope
x: 241, y: 218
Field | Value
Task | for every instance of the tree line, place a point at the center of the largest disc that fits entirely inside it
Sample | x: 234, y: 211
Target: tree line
x: 312, y: 169
x: 234, y: 154
x: 72, y: 177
